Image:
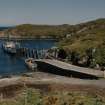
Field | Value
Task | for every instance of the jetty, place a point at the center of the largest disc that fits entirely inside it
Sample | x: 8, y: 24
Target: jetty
x: 55, y: 66
x: 63, y: 68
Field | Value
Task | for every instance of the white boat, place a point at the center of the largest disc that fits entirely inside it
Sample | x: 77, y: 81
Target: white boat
x: 31, y: 64
x: 10, y: 47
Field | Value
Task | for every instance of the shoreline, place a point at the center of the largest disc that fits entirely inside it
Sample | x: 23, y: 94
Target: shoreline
x: 4, y: 38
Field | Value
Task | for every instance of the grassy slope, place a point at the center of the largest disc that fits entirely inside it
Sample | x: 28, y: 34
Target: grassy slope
x: 50, y: 31
x: 86, y: 35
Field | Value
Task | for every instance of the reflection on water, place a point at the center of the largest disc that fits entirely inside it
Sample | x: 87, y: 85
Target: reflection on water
x: 12, y: 64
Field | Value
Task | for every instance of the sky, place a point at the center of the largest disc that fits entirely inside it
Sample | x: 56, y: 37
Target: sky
x: 52, y: 12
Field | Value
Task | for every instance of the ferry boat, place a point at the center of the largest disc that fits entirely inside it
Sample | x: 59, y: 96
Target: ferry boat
x: 31, y: 64
x: 10, y: 47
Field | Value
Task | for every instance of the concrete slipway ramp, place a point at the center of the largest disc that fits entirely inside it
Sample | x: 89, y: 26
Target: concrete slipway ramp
x: 63, y: 68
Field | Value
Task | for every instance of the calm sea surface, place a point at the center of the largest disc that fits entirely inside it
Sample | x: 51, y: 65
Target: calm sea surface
x: 14, y: 65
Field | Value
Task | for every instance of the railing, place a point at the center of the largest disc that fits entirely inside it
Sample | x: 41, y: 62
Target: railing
x: 33, y: 53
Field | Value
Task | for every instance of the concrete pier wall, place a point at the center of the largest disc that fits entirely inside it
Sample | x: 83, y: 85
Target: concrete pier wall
x: 45, y: 67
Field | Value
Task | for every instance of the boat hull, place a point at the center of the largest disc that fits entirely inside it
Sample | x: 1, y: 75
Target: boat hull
x: 9, y: 50
x: 31, y: 64
x: 10, y: 47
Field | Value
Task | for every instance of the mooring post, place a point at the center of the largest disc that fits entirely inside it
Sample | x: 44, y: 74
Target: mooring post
x: 22, y: 50
x: 29, y: 52
x: 43, y: 53
x: 24, y: 54
x: 36, y: 54
x: 33, y: 53
x: 26, y: 51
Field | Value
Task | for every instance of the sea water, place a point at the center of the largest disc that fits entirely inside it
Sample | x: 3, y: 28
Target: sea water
x: 15, y: 65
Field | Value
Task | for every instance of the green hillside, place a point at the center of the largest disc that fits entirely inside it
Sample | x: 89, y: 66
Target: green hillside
x: 87, y: 37
x: 40, y: 31
x: 93, y: 35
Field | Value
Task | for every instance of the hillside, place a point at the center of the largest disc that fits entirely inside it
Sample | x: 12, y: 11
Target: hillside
x: 87, y: 38
x: 38, y: 31
x: 55, y: 31
x: 86, y: 35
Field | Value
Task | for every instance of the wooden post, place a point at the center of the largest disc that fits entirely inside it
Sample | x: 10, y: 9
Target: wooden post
x: 33, y: 55
x: 29, y: 53
x: 36, y: 54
